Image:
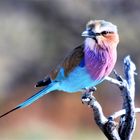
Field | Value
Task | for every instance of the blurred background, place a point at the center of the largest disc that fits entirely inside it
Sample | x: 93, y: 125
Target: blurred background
x: 35, y: 35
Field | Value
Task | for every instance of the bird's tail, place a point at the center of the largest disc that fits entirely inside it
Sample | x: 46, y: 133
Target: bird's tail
x: 49, y: 88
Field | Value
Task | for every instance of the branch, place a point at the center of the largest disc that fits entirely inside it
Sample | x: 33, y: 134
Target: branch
x: 121, y: 113
x: 128, y: 121
x: 107, y: 126
x: 127, y: 114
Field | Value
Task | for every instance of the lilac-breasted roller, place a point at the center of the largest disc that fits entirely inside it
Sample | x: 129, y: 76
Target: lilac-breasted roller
x: 86, y: 66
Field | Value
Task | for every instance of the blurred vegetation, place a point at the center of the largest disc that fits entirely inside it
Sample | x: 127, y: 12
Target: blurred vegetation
x: 34, y: 37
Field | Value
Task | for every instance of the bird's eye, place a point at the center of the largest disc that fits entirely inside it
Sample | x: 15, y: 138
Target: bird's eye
x: 104, y: 33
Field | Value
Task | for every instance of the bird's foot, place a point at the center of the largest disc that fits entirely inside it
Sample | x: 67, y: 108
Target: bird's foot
x: 87, y: 95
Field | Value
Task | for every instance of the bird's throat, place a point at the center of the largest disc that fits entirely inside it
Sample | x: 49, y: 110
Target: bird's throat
x: 99, y: 60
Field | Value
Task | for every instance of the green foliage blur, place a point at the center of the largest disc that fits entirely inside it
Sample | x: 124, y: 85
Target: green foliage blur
x: 35, y: 35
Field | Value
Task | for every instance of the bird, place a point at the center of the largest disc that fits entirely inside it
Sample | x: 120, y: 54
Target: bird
x: 85, y: 66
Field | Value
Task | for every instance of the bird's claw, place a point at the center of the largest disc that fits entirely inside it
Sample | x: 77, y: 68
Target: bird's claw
x: 87, y: 95
x: 85, y: 99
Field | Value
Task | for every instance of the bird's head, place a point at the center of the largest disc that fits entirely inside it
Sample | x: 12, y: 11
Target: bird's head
x: 102, y: 32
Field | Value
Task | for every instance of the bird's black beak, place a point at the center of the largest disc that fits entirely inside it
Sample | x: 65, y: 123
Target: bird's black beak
x: 89, y: 33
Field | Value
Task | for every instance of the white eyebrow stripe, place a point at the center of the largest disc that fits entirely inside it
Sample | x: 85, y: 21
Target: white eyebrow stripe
x: 109, y: 28
x: 106, y: 28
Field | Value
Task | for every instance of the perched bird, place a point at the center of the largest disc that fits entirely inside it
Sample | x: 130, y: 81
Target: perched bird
x: 86, y: 66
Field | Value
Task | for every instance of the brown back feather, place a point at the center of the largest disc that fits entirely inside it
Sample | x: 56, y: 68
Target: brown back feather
x: 70, y: 62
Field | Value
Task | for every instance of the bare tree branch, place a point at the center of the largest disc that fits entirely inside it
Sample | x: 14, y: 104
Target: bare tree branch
x: 122, y: 112
x: 107, y: 126
x: 128, y: 121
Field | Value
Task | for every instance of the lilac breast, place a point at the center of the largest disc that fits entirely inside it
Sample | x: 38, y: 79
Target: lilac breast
x: 99, y: 61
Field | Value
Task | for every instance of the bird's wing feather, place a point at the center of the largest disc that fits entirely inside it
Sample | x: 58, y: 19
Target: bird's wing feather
x: 44, y: 82
x: 74, y: 59
x: 70, y: 62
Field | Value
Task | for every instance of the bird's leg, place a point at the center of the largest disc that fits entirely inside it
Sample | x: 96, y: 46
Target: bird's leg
x: 87, y: 95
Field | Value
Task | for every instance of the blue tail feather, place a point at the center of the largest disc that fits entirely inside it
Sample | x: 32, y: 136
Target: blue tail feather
x: 49, y: 88
x: 38, y: 95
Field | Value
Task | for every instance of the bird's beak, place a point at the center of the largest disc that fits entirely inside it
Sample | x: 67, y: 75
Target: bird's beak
x: 88, y: 33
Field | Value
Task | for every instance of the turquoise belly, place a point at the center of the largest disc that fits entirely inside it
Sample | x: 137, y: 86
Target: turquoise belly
x: 77, y: 80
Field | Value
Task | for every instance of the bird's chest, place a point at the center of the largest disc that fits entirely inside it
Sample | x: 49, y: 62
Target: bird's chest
x: 99, y: 62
